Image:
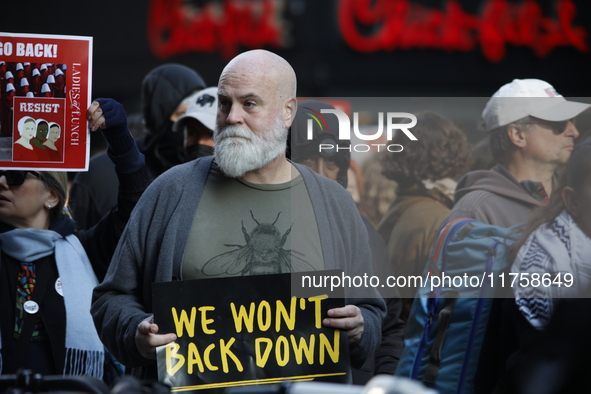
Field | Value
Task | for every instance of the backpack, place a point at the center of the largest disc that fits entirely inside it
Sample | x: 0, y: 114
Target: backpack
x: 447, y: 323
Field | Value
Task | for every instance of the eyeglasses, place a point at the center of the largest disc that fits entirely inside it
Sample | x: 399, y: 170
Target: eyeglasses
x: 17, y: 178
x: 556, y: 127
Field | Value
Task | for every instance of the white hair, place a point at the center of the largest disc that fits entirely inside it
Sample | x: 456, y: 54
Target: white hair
x: 238, y: 150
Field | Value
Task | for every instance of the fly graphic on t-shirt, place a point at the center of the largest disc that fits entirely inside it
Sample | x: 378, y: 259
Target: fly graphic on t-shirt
x: 262, y: 254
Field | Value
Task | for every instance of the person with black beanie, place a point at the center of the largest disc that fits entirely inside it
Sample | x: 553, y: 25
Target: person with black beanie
x: 163, y: 91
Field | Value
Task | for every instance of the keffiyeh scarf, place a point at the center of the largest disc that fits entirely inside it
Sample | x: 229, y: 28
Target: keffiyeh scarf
x: 555, y: 249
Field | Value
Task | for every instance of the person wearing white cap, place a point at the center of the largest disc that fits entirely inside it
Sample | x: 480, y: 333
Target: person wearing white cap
x: 2, y: 82
x: 35, y: 82
x: 60, y: 84
x: 19, y: 70
x: 26, y: 128
x: 9, y: 93
x: 46, y: 90
x: 163, y: 91
x: 198, y: 123
x: 27, y: 69
x: 8, y: 79
x: 22, y: 149
x: 53, y: 135
x: 44, y: 72
x: 24, y: 87
x: 531, y: 134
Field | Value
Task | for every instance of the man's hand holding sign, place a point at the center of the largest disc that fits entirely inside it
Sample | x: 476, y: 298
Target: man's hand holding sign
x: 249, y: 331
x: 147, y: 338
x: 347, y: 318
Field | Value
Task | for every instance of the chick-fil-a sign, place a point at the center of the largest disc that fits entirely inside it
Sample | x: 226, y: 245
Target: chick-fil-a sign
x: 175, y: 26
x: 403, y: 24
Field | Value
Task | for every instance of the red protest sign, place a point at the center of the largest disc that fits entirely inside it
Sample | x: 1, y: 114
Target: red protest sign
x: 45, y: 87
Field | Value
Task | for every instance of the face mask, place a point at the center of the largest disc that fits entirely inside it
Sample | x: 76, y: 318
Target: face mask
x: 167, y: 147
x: 196, y: 151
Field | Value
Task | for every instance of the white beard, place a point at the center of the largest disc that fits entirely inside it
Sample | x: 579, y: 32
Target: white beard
x: 237, y: 156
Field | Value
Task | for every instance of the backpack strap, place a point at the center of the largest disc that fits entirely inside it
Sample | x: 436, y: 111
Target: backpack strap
x: 440, y: 247
x: 445, y: 314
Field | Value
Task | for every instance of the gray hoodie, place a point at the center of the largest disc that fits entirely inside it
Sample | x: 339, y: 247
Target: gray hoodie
x: 492, y: 196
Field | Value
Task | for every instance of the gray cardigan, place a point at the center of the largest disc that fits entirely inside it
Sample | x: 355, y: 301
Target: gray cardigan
x: 153, y: 244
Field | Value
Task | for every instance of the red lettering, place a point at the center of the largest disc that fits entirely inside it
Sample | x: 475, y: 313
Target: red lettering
x: 494, y: 23
x: 176, y: 27
x: 401, y: 24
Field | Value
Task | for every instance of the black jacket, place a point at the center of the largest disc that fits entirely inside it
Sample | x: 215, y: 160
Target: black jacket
x: 99, y: 242
x: 94, y: 192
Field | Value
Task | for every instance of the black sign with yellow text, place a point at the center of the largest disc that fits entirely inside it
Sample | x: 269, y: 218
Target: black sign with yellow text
x: 244, y: 331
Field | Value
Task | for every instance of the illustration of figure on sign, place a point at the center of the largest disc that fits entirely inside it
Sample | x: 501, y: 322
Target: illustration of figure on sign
x: 262, y: 254
x: 41, y: 134
x: 51, y: 148
x: 23, y: 150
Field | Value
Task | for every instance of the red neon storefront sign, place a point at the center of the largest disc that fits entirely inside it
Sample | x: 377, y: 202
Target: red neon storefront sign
x: 176, y: 27
x: 402, y: 24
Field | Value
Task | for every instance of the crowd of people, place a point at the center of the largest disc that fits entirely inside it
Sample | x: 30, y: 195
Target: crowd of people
x: 77, y: 274
x: 28, y: 80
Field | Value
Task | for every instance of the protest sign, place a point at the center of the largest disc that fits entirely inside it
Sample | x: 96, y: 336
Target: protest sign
x: 45, y: 91
x: 245, y: 330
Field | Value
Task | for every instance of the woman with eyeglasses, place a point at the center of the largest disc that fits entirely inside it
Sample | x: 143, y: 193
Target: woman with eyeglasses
x: 48, y: 269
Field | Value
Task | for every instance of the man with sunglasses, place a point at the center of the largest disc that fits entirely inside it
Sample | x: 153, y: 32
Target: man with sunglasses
x: 531, y: 135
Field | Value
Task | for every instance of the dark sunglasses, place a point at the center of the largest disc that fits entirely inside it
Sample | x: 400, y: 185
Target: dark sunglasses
x: 17, y: 178
x: 556, y: 127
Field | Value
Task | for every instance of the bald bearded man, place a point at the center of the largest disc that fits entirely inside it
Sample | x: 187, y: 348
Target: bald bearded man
x: 181, y: 228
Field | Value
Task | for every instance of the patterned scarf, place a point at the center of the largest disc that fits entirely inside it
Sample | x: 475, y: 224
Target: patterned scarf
x: 552, y: 251
x: 84, y: 350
